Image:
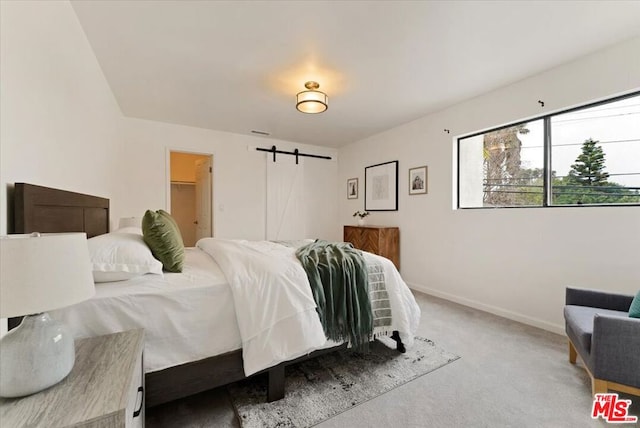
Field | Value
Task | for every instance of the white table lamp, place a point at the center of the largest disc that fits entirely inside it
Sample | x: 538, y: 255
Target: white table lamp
x: 40, y: 273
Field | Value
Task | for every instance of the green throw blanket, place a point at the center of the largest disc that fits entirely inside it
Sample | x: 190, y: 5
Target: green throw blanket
x: 339, y: 283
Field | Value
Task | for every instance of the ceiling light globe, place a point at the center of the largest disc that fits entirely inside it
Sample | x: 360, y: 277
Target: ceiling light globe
x: 312, y: 101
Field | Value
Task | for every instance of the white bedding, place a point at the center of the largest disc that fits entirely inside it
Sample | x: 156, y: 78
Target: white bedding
x: 186, y: 316
x: 193, y: 315
x: 275, y: 306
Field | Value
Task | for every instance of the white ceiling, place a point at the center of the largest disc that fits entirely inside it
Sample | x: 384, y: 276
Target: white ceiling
x: 237, y: 66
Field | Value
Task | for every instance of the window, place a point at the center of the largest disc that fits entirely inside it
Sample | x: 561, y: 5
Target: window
x: 501, y: 168
x: 586, y: 156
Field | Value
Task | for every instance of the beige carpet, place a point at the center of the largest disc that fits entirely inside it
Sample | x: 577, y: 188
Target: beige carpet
x: 510, y: 376
x: 323, y: 387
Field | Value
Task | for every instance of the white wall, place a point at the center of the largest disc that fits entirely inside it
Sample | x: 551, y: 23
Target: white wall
x: 239, y: 182
x: 61, y: 127
x: 513, y: 262
x: 59, y: 121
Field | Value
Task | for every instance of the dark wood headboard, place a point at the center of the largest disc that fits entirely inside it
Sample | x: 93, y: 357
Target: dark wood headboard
x: 42, y: 209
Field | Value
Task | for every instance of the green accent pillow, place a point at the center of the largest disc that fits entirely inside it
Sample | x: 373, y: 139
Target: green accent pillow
x: 634, y: 310
x: 162, y: 235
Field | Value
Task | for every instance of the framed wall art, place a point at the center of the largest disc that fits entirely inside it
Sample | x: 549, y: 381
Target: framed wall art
x: 418, y: 180
x: 352, y: 188
x: 381, y: 187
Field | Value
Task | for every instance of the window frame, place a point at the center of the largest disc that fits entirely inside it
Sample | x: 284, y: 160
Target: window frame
x: 547, y: 146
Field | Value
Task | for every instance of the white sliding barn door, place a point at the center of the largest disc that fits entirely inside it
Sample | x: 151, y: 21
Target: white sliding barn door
x: 285, y: 198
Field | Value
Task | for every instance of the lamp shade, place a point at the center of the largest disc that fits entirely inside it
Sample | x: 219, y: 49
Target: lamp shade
x: 312, y: 100
x: 43, y: 272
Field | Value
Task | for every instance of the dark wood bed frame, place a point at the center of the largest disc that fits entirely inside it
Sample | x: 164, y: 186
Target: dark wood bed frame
x: 47, y: 210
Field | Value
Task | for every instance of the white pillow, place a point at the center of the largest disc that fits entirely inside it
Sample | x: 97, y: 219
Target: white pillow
x: 129, y: 229
x: 121, y: 256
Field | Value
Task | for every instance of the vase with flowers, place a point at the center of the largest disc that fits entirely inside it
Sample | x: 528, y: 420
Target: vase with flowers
x: 361, y: 216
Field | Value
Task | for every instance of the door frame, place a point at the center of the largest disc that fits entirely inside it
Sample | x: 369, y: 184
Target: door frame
x: 167, y: 202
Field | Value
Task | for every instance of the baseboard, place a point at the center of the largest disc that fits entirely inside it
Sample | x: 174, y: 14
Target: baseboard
x: 558, y: 329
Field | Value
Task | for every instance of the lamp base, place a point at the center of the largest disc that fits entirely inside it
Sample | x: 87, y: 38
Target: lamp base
x: 37, y: 354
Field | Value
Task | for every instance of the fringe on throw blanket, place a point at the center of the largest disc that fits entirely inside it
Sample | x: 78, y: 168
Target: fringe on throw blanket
x: 379, y: 298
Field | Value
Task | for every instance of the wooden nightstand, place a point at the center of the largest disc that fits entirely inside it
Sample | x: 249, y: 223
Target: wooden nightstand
x: 104, y: 389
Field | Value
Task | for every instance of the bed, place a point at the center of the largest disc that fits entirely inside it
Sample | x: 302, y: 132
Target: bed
x: 184, y: 353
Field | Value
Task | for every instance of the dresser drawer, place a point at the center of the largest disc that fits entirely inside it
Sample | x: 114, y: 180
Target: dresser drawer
x: 383, y: 241
x: 135, y: 406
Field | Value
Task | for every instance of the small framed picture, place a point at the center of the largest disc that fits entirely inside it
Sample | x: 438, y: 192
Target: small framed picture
x: 352, y: 188
x: 418, y: 180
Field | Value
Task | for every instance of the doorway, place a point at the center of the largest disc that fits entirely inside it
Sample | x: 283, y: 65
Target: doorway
x: 192, y: 194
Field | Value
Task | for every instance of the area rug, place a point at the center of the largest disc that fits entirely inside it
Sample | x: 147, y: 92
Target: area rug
x: 330, y: 384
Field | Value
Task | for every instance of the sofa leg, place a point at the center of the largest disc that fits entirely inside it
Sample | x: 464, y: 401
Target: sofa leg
x: 572, y: 353
x: 598, y: 386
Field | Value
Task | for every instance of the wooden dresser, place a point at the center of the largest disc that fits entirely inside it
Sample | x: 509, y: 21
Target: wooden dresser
x: 384, y: 241
x: 105, y: 389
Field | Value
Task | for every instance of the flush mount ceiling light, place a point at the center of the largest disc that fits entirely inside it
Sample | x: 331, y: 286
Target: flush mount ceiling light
x: 312, y: 100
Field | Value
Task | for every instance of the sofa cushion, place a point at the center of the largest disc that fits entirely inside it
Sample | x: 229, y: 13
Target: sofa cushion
x: 580, y: 320
x: 634, y: 310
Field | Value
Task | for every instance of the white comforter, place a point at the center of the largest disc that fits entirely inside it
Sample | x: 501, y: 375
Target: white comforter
x: 274, y: 305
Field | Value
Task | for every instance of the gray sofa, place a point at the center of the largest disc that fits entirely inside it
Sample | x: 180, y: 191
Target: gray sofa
x: 606, y: 339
